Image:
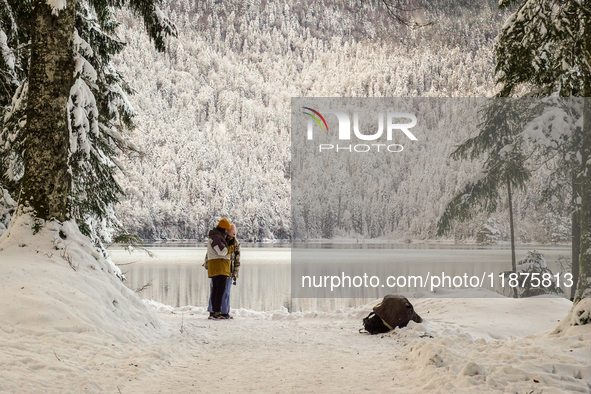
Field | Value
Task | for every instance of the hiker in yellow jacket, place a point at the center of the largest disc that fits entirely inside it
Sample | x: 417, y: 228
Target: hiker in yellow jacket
x: 234, y: 268
x: 218, y: 264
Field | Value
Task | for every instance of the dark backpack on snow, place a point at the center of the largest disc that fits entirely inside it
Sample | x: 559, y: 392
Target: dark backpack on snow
x: 394, y: 311
x: 374, y: 325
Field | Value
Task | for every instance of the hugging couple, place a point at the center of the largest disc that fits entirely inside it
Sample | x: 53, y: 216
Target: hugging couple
x: 222, y: 263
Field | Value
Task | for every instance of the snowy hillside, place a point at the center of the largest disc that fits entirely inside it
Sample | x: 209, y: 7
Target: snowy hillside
x: 214, y: 119
x: 59, y: 297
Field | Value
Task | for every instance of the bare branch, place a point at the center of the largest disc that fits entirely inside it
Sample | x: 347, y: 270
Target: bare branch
x: 67, y: 257
x: 399, y: 13
x: 144, y: 287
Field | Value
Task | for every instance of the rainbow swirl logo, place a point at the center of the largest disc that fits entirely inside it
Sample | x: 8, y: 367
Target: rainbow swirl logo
x: 316, y: 118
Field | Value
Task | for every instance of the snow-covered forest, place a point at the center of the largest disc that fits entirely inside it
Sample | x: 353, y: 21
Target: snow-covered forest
x: 400, y: 195
x: 213, y: 115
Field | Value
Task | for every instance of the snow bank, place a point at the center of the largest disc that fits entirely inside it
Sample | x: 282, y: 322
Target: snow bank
x: 66, y: 321
x: 497, y: 345
x: 55, y: 282
x: 577, y: 322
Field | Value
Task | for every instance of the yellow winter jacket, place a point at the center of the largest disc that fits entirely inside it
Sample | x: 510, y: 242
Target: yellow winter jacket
x: 217, y: 267
x: 218, y: 254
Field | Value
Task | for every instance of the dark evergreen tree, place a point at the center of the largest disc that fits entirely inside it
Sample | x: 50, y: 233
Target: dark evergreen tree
x: 76, y: 170
x: 501, y: 143
x: 546, y: 46
x: 14, y: 68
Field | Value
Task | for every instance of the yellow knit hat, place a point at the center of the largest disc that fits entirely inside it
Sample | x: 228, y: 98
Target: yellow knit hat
x: 224, y: 223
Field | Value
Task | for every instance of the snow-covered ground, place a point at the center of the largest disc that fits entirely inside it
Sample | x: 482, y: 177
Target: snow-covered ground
x: 464, y: 345
x: 70, y: 331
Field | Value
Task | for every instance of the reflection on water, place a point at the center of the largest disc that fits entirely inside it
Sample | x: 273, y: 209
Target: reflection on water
x: 175, y: 275
x: 260, y: 287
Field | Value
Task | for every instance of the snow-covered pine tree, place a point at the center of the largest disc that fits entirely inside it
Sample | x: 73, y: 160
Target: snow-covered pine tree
x: 539, y: 279
x: 14, y: 54
x: 546, y: 46
x: 97, y: 110
x: 542, y: 45
x: 500, y: 141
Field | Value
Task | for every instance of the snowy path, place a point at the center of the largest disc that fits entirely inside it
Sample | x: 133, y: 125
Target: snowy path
x: 465, y: 345
x: 272, y: 356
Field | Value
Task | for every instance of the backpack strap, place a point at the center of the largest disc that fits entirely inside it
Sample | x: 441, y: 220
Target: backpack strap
x: 386, y: 324
x: 363, y: 330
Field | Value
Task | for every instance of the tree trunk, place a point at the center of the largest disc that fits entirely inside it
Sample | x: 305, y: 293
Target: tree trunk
x: 513, y: 263
x: 47, y: 183
x: 576, y: 234
x: 584, y: 284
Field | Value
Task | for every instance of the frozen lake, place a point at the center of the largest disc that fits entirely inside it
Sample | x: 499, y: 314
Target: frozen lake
x: 178, y: 279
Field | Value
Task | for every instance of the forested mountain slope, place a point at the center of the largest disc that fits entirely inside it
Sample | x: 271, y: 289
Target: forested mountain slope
x: 214, y: 113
